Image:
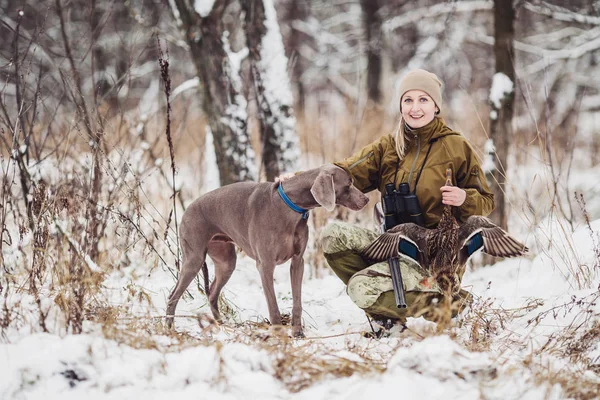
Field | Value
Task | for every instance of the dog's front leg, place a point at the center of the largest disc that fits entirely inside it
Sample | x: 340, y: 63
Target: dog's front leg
x: 296, y: 274
x: 266, y: 269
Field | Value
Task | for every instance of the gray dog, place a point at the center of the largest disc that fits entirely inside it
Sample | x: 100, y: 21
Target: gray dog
x: 267, y: 223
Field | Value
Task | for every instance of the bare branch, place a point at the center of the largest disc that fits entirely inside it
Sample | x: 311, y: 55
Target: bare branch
x: 561, y: 14
x: 184, y: 86
x: 581, y: 45
x: 76, y: 75
x: 418, y: 14
x: 76, y: 247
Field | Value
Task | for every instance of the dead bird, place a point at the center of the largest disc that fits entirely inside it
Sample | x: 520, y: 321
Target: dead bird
x: 444, y: 251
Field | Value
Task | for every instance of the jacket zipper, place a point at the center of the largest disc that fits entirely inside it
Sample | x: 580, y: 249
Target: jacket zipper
x: 416, y: 157
x: 354, y: 164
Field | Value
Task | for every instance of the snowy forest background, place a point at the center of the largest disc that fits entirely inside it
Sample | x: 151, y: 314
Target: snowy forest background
x: 115, y: 115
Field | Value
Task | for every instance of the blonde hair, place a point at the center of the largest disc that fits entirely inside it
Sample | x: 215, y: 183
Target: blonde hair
x: 402, y: 138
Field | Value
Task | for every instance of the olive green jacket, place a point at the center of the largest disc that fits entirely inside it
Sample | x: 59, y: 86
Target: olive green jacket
x: 375, y: 166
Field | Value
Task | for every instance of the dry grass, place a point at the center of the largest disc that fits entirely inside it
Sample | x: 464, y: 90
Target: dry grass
x: 579, y: 378
x: 134, y: 223
x: 135, y: 227
x: 574, y: 381
x: 298, y: 364
x: 147, y: 332
x: 302, y: 363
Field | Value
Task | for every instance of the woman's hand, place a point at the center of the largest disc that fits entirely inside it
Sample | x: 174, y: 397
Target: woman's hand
x: 284, y: 177
x: 453, y: 195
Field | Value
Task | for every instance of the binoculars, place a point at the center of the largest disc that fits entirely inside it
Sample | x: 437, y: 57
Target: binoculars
x: 400, y: 206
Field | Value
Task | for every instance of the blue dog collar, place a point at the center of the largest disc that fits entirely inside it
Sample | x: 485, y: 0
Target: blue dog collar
x: 291, y: 204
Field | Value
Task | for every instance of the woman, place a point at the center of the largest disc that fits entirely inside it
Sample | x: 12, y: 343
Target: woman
x: 418, y: 153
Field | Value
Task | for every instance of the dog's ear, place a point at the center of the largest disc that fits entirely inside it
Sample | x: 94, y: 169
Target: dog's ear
x: 323, y: 190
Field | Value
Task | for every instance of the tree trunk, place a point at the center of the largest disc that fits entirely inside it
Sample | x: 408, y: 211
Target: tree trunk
x: 372, y: 28
x: 222, y: 98
x: 298, y: 10
x: 99, y: 60
x: 271, y: 88
x: 501, y: 131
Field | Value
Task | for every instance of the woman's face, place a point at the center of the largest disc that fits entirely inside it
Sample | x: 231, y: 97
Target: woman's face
x: 418, y: 109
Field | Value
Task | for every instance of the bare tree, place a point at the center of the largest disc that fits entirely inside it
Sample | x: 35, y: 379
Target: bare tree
x: 373, y: 38
x: 502, y: 98
x: 222, y: 99
x: 271, y: 88
x: 297, y: 10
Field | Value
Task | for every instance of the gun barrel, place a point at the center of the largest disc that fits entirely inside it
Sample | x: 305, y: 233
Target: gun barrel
x: 397, y: 282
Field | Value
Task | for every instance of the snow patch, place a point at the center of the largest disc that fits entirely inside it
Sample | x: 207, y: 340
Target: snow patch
x: 442, y: 358
x: 502, y: 86
x: 176, y: 13
x: 489, y: 164
x: 211, y: 171
x: 278, y: 90
x: 236, y: 115
x: 187, y: 85
x: 203, y: 7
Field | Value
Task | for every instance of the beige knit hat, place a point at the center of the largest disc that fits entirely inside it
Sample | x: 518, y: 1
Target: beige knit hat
x: 419, y: 79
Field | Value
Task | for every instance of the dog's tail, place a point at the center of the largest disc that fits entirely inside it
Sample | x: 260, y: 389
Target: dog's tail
x: 205, y: 274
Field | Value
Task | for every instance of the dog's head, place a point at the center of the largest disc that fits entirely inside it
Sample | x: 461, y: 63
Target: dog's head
x: 334, y: 186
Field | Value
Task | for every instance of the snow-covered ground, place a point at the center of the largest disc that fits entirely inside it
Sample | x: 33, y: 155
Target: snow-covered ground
x: 532, y: 333
x: 231, y: 362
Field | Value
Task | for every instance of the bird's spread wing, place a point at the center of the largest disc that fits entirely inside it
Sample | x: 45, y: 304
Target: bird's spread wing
x: 412, y: 237
x: 480, y: 233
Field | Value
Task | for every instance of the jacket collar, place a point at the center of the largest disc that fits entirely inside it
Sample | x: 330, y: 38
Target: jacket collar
x: 433, y: 130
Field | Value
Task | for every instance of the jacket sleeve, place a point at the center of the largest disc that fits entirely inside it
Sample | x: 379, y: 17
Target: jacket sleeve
x: 364, y: 165
x: 470, y: 177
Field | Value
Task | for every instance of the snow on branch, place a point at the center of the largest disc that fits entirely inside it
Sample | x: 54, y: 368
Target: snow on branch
x: 235, y: 115
x: 341, y: 19
x: 176, y: 13
x: 323, y: 37
x: 583, y: 79
x: 580, y: 45
x: 200, y: 7
x: 591, y: 103
x: 549, y: 56
x: 189, y: 84
x: 585, y: 43
x: 556, y: 36
x: 502, y: 86
x: 562, y: 14
x: 418, y: 14
x: 424, y: 50
x: 148, y: 106
x: 489, y: 164
x: 278, y: 90
x: 203, y: 7
x: 274, y: 61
